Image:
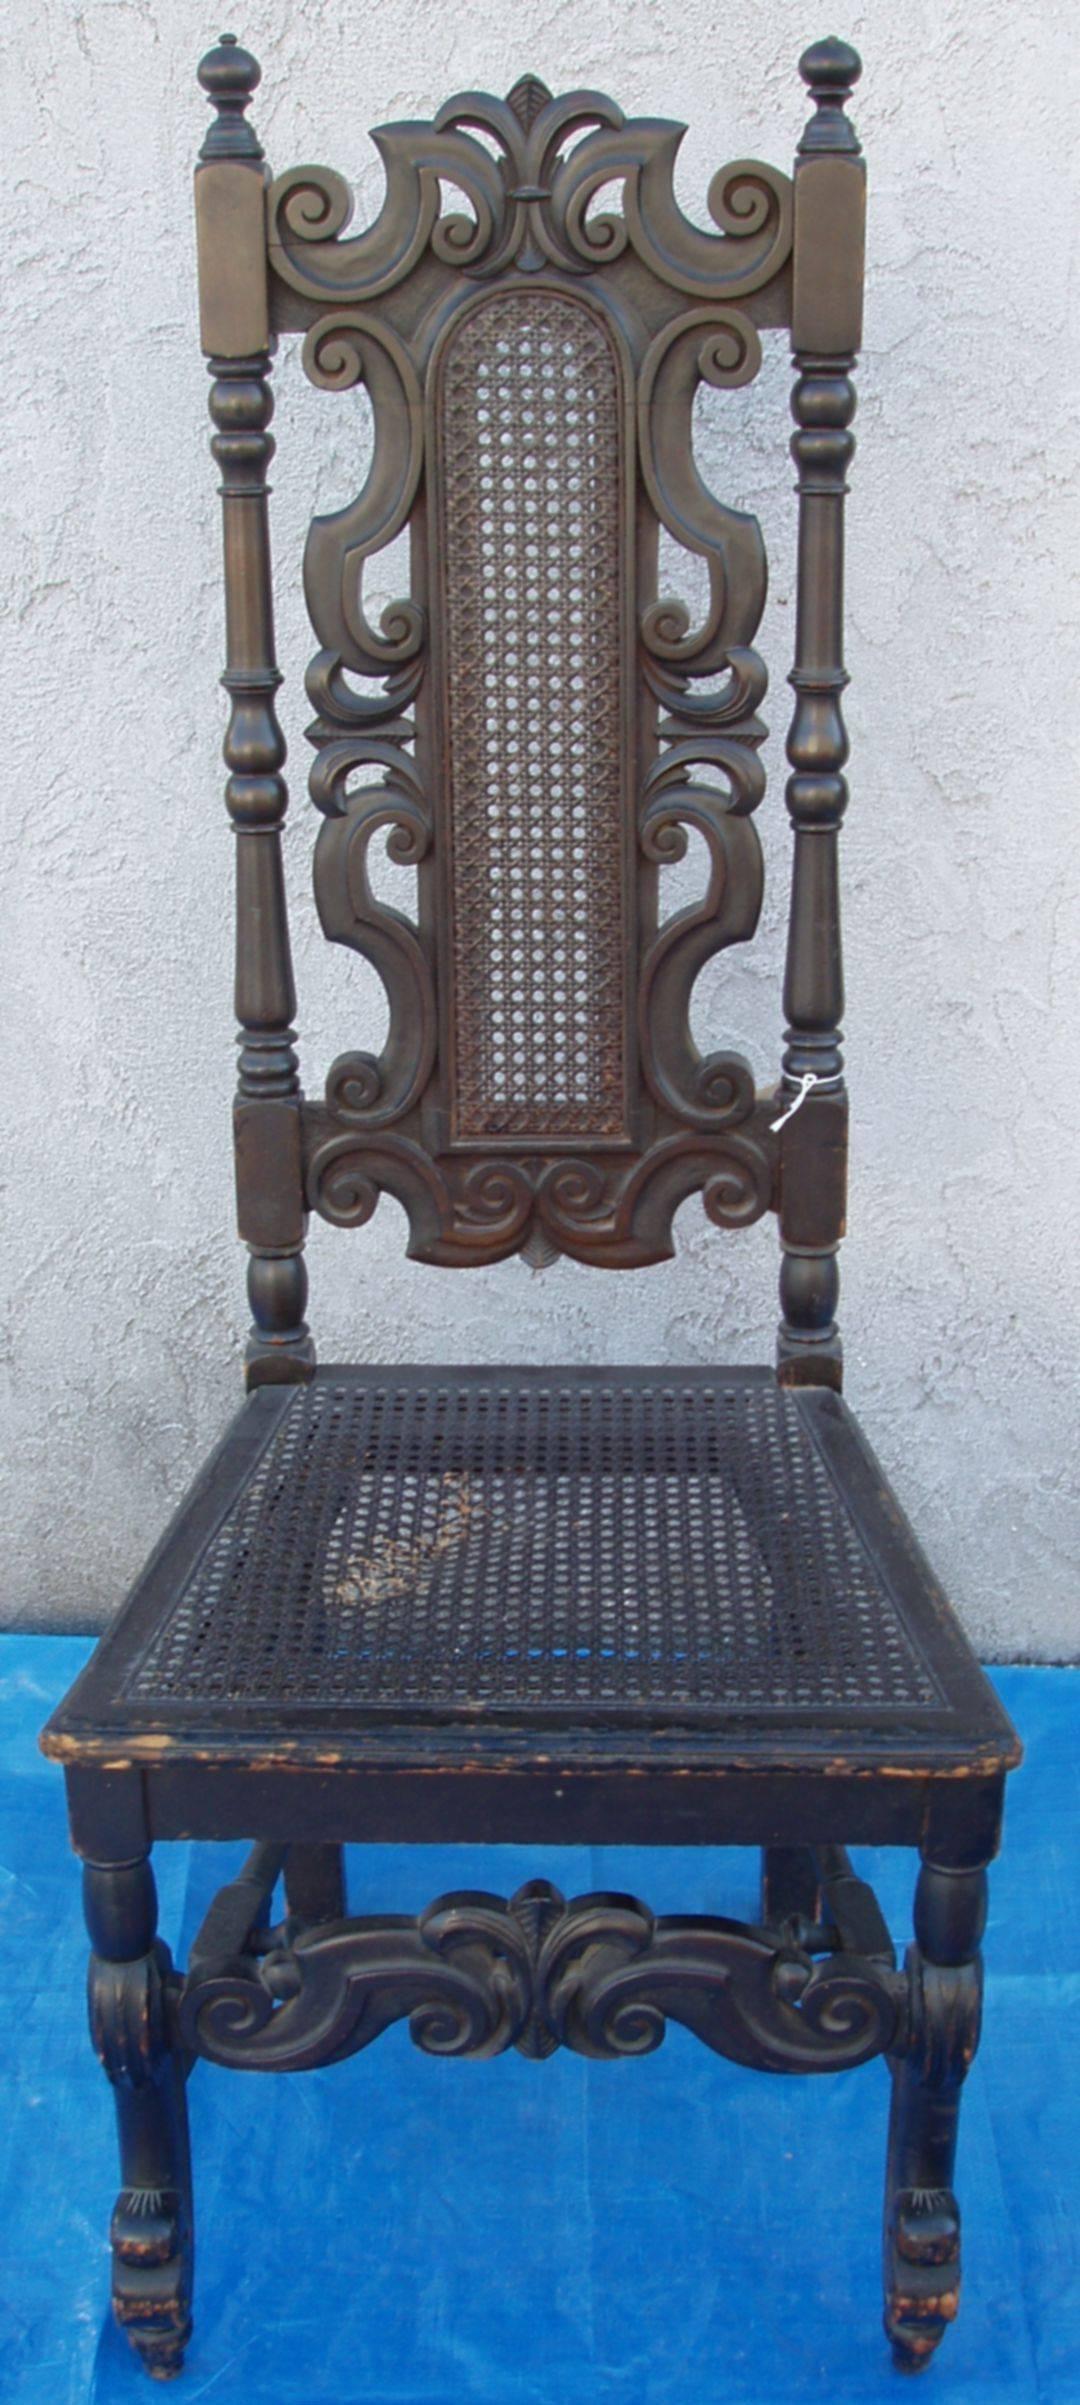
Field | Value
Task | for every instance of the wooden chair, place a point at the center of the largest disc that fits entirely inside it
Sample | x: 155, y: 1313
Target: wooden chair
x: 670, y: 1606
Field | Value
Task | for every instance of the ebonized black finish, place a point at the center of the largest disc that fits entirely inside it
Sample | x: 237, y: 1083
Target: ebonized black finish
x: 653, y: 1605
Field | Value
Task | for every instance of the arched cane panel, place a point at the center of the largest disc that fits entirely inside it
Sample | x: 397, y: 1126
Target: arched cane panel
x: 529, y: 517
x: 551, y: 729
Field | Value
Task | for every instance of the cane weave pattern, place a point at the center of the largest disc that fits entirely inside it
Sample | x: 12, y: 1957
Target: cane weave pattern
x: 531, y: 535
x: 646, y: 1551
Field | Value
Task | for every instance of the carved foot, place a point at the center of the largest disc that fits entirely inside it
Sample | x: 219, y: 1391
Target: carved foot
x: 941, y: 2033
x: 922, y: 2272
x: 130, y: 2022
x: 151, y: 2287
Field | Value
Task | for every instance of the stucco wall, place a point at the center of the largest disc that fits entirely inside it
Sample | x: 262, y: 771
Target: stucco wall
x: 123, y: 1306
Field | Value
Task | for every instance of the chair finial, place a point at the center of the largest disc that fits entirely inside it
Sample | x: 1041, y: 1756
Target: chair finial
x: 229, y: 75
x: 832, y: 69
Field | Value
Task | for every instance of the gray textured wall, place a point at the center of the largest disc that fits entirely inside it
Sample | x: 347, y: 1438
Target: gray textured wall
x: 122, y: 1312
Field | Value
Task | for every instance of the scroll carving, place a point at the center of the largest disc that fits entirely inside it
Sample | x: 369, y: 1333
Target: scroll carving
x: 596, y: 1175
x: 530, y: 205
x: 359, y: 1087
x: 720, y: 348
x: 476, y: 1975
x: 341, y: 350
x: 462, y: 1214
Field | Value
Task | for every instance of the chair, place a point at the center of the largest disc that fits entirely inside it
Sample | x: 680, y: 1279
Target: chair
x: 653, y: 1605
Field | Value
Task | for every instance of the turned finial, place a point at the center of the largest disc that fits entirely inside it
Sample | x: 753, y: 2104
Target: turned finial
x: 228, y: 76
x: 832, y: 69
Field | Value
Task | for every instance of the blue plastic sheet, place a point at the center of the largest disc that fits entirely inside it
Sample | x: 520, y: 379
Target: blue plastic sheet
x: 408, y: 2232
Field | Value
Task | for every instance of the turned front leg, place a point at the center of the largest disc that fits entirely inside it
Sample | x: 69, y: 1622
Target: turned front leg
x: 922, y: 2218
x: 152, y: 2223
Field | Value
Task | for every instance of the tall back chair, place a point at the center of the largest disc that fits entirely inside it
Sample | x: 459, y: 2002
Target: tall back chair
x: 654, y: 1605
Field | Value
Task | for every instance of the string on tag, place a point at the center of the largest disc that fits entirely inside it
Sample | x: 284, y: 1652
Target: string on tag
x: 807, y: 1082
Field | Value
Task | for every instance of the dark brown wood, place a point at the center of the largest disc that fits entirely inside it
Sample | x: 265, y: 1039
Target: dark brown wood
x: 652, y: 1606
x: 552, y: 1098
x: 829, y: 211
x: 315, y: 1882
x: 269, y: 1188
x: 922, y: 2217
x: 151, y: 2232
x: 475, y: 1975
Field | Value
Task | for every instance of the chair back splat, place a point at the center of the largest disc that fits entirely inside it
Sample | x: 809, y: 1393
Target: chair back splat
x: 535, y: 727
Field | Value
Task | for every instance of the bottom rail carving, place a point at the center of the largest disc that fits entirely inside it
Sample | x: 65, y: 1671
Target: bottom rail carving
x: 476, y: 1974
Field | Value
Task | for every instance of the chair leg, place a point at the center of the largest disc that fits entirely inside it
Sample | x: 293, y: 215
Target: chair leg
x: 315, y: 1883
x: 152, y: 2230
x: 790, y: 1886
x: 922, y: 2218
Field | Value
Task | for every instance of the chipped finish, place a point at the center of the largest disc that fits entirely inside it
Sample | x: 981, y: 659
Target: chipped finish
x: 941, y: 2034
x: 130, y: 2003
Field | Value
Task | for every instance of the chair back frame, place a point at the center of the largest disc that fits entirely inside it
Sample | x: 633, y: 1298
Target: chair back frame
x: 545, y: 726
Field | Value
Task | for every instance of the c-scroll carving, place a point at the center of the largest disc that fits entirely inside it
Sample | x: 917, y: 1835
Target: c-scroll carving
x: 309, y: 209
x: 343, y: 349
x: 476, y: 1975
x: 748, y: 202
x: 722, y: 348
x: 361, y: 1089
x: 707, y: 1092
x: 460, y: 1975
x: 678, y: 308
x: 530, y: 204
x: 465, y: 1213
x: 712, y: 730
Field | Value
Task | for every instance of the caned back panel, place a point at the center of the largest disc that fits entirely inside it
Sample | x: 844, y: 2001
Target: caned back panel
x: 530, y: 528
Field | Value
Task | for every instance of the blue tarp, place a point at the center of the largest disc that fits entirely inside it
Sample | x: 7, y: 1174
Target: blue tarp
x: 673, y: 2231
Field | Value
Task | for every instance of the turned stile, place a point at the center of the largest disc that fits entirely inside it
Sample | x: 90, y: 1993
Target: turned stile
x: 826, y: 332
x: 229, y: 192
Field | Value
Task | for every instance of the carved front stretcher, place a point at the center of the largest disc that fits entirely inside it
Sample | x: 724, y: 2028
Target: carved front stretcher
x: 476, y: 1974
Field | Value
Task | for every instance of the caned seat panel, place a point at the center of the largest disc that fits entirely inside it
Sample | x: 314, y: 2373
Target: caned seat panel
x: 695, y: 1551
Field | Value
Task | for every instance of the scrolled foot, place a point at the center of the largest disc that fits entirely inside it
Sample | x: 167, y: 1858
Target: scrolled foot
x: 151, y: 2289
x: 922, y: 2273
x: 131, y: 1990
x: 938, y: 2039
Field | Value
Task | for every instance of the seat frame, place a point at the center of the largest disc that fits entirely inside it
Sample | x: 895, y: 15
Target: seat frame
x: 813, y: 1985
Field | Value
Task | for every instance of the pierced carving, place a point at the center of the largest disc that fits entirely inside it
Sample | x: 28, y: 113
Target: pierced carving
x: 706, y: 1092
x: 530, y: 207
x: 345, y: 349
x: 718, y: 347
x: 550, y: 729
x: 476, y: 1975
x: 462, y: 1213
x: 360, y: 1088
